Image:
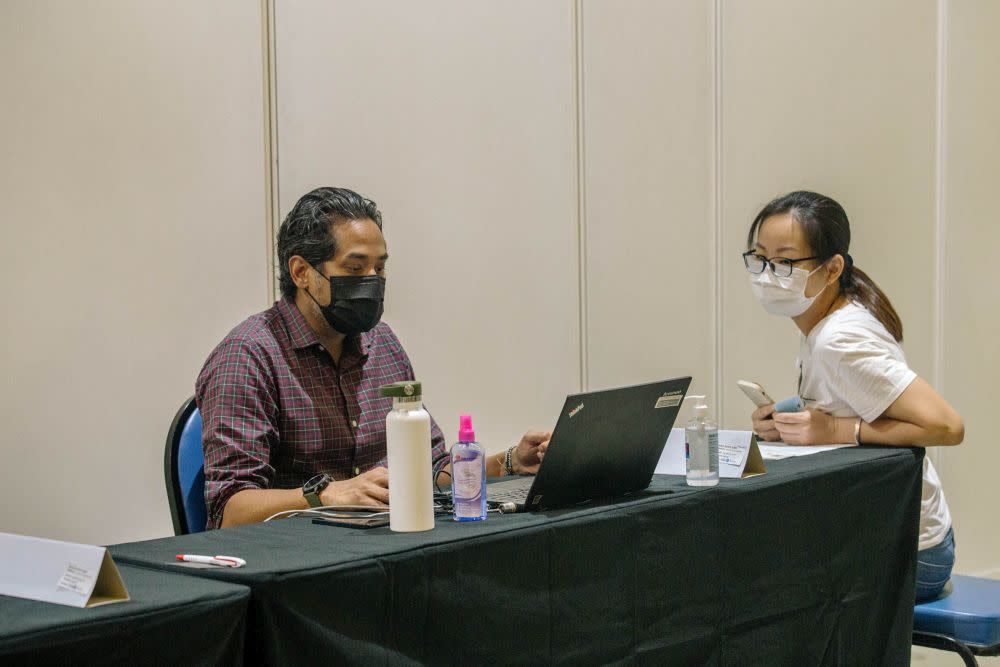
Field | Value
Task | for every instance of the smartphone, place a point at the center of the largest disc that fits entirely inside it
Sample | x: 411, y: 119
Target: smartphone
x: 755, y: 393
x: 353, y: 522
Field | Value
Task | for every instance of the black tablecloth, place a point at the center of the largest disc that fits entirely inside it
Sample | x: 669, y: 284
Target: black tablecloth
x: 811, y: 563
x: 170, y: 620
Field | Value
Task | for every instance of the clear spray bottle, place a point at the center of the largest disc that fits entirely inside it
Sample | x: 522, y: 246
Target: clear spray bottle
x: 468, y: 474
x: 701, y: 446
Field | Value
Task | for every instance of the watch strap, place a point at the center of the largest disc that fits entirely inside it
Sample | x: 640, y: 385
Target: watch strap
x: 314, y: 487
x: 312, y: 497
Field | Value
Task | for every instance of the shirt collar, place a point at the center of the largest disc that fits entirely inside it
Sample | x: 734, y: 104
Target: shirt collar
x: 303, y: 336
x: 299, y: 331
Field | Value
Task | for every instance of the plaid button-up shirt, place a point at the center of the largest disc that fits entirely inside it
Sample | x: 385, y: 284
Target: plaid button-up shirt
x: 276, y: 410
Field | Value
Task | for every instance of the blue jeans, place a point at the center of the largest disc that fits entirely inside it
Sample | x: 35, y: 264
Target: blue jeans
x: 934, y: 568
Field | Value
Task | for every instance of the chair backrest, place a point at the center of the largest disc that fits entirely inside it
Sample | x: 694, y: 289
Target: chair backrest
x: 184, y: 471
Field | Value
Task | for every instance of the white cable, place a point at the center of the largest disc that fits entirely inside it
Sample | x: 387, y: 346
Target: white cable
x: 331, y: 510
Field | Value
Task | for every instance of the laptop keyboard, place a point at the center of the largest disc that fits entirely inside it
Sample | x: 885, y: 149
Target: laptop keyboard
x: 515, y: 490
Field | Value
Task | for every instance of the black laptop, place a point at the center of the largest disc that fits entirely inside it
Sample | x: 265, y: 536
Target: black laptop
x: 605, y: 444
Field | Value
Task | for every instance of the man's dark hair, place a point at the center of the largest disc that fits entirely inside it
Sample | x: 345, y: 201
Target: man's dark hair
x: 307, y: 230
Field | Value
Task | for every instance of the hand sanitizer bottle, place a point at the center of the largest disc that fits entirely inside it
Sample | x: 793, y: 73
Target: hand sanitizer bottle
x: 701, y: 446
x: 408, y: 448
x: 468, y: 474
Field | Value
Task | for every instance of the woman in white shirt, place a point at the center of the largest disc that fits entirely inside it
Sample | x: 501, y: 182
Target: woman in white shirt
x: 852, y: 373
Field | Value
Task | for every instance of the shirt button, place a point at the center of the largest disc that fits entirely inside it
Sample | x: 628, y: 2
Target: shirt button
x: 354, y: 423
x: 357, y: 471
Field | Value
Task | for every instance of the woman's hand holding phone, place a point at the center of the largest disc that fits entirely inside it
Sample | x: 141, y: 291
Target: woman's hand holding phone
x: 809, y: 427
x: 763, y: 423
x: 805, y: 427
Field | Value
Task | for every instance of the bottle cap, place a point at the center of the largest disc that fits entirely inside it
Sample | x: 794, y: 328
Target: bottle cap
x: 405, y: 389
x: 465, y: 432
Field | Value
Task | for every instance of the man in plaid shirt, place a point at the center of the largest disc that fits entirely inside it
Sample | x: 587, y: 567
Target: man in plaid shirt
x: 290, y: 396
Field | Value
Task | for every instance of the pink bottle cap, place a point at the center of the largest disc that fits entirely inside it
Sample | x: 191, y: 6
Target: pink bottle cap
x: 465, y: 432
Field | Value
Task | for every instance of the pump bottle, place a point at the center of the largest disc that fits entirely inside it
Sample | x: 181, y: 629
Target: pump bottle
x: 701, y: 446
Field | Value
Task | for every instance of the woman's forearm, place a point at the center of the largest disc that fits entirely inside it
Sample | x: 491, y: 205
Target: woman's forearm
x: 888, y: 431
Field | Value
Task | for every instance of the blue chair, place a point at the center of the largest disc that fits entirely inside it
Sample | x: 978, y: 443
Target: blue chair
x: 184, y: 471
x: 964, y: 619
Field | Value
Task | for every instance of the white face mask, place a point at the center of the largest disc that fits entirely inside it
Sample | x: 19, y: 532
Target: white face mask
x: 784, y: 296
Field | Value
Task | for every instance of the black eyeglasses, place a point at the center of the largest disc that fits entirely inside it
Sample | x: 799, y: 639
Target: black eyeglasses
x: 780, y: 266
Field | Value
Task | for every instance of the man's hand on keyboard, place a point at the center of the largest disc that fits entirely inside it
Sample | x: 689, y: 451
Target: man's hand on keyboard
x: 529, y: 452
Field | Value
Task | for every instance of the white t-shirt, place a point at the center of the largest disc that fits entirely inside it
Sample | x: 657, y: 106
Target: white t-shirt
x: 851, y: 366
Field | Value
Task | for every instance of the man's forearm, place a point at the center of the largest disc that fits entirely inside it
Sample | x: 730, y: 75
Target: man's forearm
x: 255, y: 505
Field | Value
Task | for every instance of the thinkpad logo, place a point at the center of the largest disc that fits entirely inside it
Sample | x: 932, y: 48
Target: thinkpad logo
x: 572, y: 413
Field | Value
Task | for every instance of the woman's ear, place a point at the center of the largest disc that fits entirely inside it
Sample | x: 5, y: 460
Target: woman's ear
x: 835, y: 268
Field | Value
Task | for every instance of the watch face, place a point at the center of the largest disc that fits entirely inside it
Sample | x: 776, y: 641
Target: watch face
x: 316, y: 484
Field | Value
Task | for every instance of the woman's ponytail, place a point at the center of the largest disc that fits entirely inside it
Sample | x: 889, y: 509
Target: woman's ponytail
x: 856, y: 284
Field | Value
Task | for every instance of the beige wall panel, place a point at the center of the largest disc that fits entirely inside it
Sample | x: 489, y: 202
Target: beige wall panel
x: 131, y: 178
x: 650, y: 234
x: 837, y: 97
x: 972, y: 309
x: 458, y: 118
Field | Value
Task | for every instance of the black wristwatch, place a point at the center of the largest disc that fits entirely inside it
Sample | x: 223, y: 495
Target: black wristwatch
x: 314, y: 487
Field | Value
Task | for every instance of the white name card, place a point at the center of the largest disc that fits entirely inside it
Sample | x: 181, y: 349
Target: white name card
x: 739, y: 455
x: 78, y: 575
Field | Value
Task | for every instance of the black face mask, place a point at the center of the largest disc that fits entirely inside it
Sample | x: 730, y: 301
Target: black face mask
x: 355, y: 303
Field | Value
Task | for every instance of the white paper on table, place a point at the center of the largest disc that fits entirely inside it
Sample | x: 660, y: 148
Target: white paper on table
x: 772, y: 451
x: 733, y: 448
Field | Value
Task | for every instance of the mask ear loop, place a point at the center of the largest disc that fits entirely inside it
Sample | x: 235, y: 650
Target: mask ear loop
x: 809, y: 275
x: 309, y: 294
x: 848, y: 263
x: 844, y: 280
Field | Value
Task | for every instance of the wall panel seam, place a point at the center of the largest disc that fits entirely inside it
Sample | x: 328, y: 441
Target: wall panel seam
x: 581, y: 198
x: 716, y: 205
x: 271, y: 212
x: 940, y: 194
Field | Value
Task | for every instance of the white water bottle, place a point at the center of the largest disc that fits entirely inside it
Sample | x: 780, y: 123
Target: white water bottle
x: 408, y: 447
